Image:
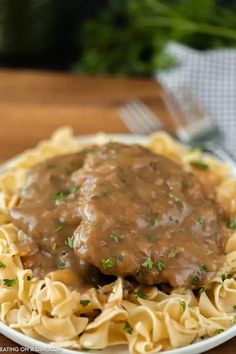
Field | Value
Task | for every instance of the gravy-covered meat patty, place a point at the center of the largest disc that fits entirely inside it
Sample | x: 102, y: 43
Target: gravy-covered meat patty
x: 126, y: 211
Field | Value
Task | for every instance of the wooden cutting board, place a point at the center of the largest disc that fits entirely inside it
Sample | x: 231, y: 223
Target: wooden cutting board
x: 34, y: 104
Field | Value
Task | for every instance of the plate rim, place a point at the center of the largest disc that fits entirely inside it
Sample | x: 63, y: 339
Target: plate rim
x: 30, y: 342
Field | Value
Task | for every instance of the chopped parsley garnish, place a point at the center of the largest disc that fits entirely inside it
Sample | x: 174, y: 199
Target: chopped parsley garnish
x: 120, y: 174
x: 155, y: 222
x: 225, y: 276
x: 173, y: 253
x: 120, y: 258
x: 148, y: 263
x: 201, y: 165
x: 74, y: 189
x: 198, y: 276
x: 70, y: 241
x: 232, y: 223
x: 200, y: 220
x: 84, y: 303
x: 10, y: 282
x: 59, y: 195
x: 160, y: 266
x: 29, y: 277
x: 2, y: 265
x: 139, y: 293
x: 183, y: 304
x: 234, y: 307
x: 152, y: 238
x: 106, y: 193
x: 234, y: 320
x: 51, y: 165
x: 139, y: 274
x: 202, y: 290
x: 61, y: 265
x: 220, y: 330
x: 179, y: 201
x: 58, y: 228
x: 203, y: 268
x: 107, y: 263
x: 116, y: 237
x: 128, y: 328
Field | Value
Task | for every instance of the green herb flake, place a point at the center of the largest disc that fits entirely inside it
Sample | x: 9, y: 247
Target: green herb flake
x: 225, y: 276
x: 74, y: 189
x: 10, y: 282
x: 128, y: 328
x: 106, y: 193
x: 232, y: 223
x: 84, y: 303
x: 116, y: 237
x: 198, y: 276
x: 58, y: 228
x: 152, y: 238
x: 61, y: 265
x: 202, y: 290
x: 183, y: 304
x: 139, y: 293
x: 120, y: 258
x: 2, y: 265
x: 50, y: 165
x: 156, y: 222
x: 148, y: 263
x: 107, y: 263
x: 160, y: 266
x: 120, y: 174
x: 234, y: 308
x: 180, y: 202
x: 220, y: 330
x: 59, y: 195
x: 70, y: 241
x: 29, y: 277
x: 201, y: 165
x: 174, y: 252
x: 203, y: 268
x: 200, y: 220
x: 234, y: 319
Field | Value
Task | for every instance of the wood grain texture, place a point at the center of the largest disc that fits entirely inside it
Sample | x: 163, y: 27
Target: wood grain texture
x: 34, y: 104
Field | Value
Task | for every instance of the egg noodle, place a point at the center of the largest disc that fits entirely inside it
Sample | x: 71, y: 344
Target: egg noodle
x: 148, y: 320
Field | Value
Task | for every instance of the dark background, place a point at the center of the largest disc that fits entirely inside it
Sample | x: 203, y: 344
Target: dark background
x: 109, y: 36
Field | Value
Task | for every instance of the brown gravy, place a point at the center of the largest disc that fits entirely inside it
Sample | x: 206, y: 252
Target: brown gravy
x: 121, y: 211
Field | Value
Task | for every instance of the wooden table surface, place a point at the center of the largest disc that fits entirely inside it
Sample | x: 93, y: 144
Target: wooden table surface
x: 34, y: 104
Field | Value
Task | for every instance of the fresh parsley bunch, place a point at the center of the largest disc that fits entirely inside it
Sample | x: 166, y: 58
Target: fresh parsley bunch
x: 130, y: 36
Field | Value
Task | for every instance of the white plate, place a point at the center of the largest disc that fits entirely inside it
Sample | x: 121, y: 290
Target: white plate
x: 42, y: 347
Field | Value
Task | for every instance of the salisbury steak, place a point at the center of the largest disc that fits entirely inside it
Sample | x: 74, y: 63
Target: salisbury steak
x: 142, y: 215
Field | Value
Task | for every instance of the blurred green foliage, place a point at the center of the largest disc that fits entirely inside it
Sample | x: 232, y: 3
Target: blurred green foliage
x: 130, y: 35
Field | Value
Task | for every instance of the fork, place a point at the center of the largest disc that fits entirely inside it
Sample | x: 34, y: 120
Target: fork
x: 192, y: 125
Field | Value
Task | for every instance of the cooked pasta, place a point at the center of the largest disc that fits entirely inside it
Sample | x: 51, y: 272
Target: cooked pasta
x: 148, y: 321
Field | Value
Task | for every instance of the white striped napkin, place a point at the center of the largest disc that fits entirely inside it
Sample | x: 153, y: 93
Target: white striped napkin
x: 211, y: 77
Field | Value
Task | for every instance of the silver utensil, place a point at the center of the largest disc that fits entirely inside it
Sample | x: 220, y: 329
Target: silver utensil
x: 138, y: 118
x: 192, y: 125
